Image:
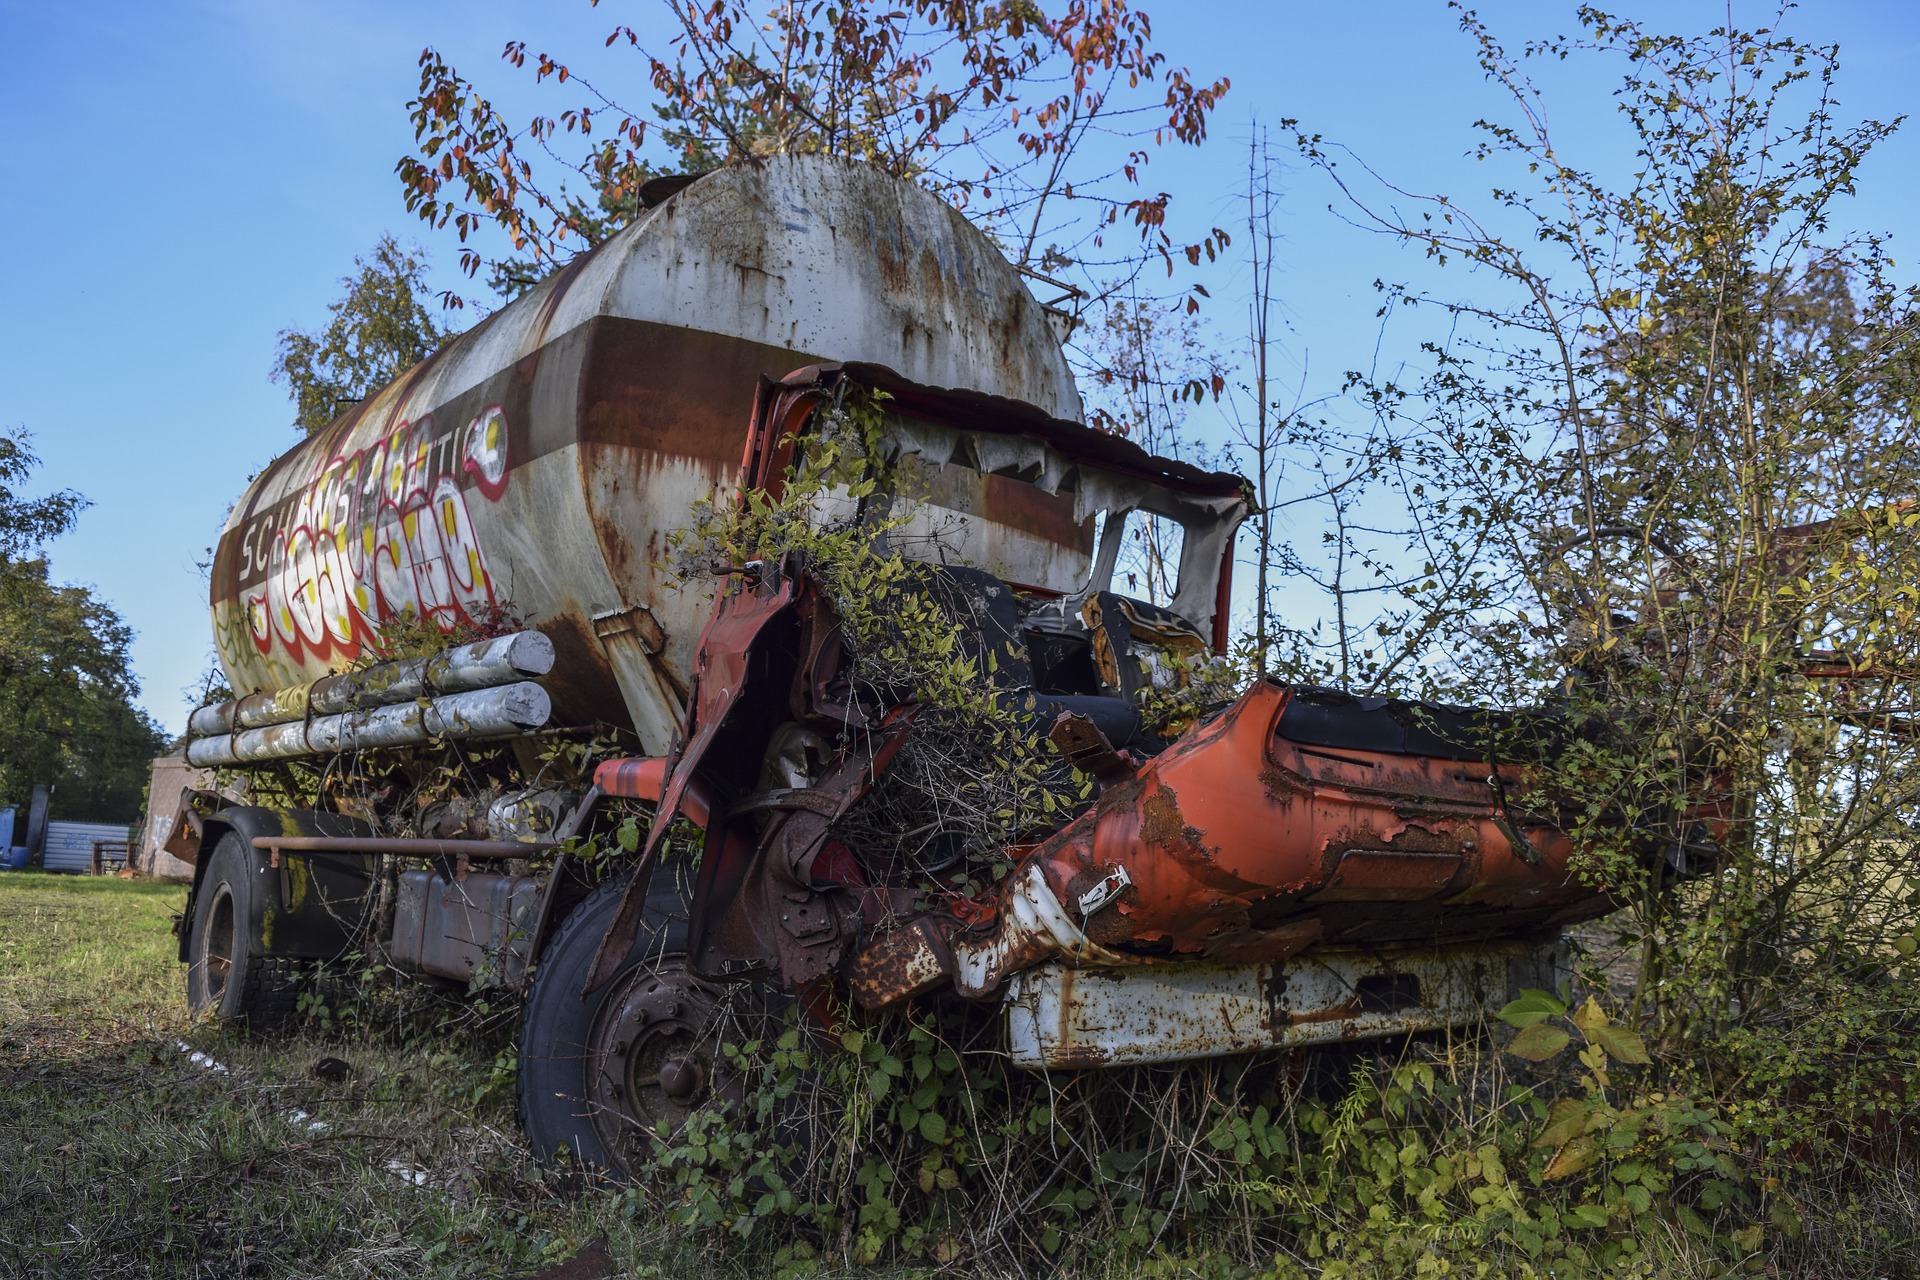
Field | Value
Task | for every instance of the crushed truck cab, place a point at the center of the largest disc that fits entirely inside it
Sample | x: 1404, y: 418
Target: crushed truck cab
x: 1373, y: 834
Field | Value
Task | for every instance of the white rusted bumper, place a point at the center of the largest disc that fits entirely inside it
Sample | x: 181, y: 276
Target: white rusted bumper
x: 1058, y: 1017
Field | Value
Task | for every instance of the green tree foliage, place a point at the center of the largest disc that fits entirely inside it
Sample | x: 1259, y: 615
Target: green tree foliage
x: 1659, y: 474
x: 381, y: 327
x: 27, y: 522
x: 67, y: 715
x: 66, y: 697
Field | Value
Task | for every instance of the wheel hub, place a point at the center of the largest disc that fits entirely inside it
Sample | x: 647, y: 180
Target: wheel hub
x: 216, y: 944
x: 681, y: 1079
x: 652, y: 1058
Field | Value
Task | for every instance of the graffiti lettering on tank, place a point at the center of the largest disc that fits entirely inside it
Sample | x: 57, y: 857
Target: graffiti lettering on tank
x: 378, y: 533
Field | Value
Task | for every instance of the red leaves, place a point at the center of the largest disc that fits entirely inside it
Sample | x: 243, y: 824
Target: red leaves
x: 856, y: 77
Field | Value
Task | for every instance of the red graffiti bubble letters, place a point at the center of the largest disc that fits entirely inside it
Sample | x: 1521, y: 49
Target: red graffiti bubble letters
x: 379, y: 533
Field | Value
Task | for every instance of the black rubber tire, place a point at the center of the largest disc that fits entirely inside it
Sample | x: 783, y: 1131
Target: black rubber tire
x: 229, y: 976
x: 556, y: 1023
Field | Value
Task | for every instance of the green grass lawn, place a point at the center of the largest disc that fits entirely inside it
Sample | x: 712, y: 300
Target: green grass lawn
x: 88, y: 950
x: 122, y: 1155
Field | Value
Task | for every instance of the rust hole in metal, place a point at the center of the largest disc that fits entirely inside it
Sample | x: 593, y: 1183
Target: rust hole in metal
x: 1388, y: 992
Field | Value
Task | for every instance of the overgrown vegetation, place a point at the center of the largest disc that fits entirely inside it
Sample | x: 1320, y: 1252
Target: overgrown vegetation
x: 1658, y: 475
x: 1427, y: 1158
x: 976, y: 774
x: 912, y: 1140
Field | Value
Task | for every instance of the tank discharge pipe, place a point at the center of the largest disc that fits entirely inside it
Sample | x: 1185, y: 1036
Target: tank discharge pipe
x: 471, y: 691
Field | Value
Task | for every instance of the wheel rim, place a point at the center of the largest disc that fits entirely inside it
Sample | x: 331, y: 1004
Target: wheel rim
x: 652, y: 1059
x: 216, y: 944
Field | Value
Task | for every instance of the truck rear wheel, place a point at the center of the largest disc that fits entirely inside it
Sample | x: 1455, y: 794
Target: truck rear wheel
x: 229, y: 975
x: 601, y: 1078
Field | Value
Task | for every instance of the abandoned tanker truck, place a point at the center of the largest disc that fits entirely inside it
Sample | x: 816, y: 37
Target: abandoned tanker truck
x: 1292, y: 866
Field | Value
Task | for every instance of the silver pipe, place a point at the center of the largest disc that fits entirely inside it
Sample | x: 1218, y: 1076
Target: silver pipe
x: 478, y: 713
x: 483, y: 664
x: 403, y: 680
x: 273, y: 706
x: 212, y: 753
x: 211, y: 720
x: 487, y: 663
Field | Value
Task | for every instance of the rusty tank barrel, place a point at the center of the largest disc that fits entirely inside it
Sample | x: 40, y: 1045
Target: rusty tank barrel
x: 536, y: 466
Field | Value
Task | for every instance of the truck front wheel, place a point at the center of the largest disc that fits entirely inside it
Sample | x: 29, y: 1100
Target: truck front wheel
x: 600, y: 1078
x: 229, y: 975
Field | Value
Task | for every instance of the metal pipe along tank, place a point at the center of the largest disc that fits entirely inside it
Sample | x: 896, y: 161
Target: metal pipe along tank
x: 482, y: 664
x: 478, y: 713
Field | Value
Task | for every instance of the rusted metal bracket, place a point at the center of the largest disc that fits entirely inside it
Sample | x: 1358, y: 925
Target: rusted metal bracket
x: 1087, y: 749
x: 189, y: 823
x: 719, y: 681
x: 636, y: 623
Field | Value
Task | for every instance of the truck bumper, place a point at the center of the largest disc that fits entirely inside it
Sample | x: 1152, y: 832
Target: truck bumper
x: 1065, y: 1018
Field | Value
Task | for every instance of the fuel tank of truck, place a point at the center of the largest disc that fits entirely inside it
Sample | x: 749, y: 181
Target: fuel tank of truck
x: 531, y: 471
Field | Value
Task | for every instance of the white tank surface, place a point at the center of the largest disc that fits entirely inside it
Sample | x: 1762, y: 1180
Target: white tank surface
x: 531, y: 471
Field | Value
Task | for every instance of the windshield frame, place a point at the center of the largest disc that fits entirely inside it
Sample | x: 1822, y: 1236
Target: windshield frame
x: 1103, y: 471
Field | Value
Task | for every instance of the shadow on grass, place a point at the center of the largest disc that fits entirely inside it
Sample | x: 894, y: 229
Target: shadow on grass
x: 125, y: 1154
x: 128, y: 1156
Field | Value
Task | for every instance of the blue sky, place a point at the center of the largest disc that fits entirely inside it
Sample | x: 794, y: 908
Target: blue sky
x: 180, y: 181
